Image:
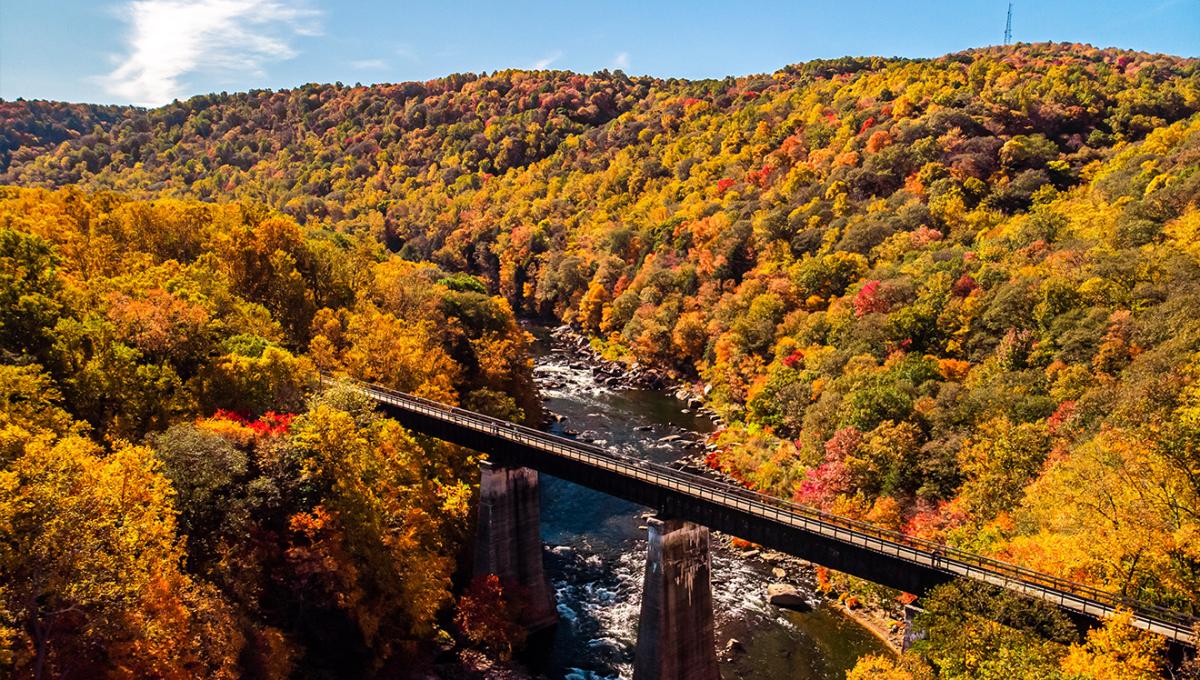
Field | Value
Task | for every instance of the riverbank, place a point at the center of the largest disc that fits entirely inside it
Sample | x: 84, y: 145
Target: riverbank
x: 597, y: 543
x: 776, y: 568
x: 620, y: 375
x: 879, y: 622
x: 793, y: 571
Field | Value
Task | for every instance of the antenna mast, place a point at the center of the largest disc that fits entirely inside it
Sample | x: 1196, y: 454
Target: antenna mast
x: 1008, y: 26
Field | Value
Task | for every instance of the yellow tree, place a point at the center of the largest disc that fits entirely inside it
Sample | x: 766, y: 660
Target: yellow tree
x: 878, y: 667
x: 255, y: 379
x: 1115, y: 513
x: 400, y: 354
x: 30, y: 406
x: 998, y: 461
x: 378, y: 543
x: 91, y: 568
x: 1117, y: 651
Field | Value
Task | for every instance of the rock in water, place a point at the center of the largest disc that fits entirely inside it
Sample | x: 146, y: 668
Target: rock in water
x: 786, y: 596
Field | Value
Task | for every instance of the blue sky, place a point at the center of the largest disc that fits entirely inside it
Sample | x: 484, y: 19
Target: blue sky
x: 151, y: 51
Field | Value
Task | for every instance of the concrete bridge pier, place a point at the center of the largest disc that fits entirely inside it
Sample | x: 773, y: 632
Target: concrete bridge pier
x: 508, y: 541
x: 675, y: 633
x: 912, y: 633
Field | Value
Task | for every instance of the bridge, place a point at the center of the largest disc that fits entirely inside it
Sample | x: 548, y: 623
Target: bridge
x: 886, y: 557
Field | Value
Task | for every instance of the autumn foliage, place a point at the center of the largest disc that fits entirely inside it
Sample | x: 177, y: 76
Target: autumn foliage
x: 952, y: 296
x: 176, y: 498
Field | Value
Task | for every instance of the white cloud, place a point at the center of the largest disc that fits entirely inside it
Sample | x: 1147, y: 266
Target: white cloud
x: 621, y: 61
x: 172, y: 38
x: 545, y: 61
x: 406, y: 52
x: 369, y: 64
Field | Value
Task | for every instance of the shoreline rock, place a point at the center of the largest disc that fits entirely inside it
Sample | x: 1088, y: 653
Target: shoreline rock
x: 633, y: 376
x: 787, y: 596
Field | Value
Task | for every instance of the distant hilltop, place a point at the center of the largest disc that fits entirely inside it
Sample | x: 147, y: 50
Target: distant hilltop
x: 213, y: 145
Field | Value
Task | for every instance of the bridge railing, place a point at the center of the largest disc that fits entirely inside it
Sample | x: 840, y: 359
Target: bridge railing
x: 1078, y: 596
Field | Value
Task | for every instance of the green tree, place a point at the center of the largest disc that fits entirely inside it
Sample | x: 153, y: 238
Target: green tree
x: 30, y: 293
x: 983, y: 632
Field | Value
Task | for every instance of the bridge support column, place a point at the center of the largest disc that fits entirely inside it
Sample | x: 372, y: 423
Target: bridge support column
x: 912, y: 633
x: 675, y: 633
x: 508, y: 541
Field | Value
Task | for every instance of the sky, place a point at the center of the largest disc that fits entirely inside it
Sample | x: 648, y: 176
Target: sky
x: 149, y: 52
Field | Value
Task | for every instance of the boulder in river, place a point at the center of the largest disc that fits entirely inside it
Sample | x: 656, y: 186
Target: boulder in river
x: 786, y: 596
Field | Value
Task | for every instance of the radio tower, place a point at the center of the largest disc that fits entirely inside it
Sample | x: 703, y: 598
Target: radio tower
x: 1008, y: 26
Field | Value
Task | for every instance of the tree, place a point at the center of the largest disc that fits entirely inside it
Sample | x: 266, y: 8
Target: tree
x: 1027, y: 151
x: 868, y: 299
x: 878, y: 399
x: 877, y: 667
x: 110, y: 384
x: 202, y: 466
x: 91, y: 565
x: 998, y: 462
x: 253, y: 379
x: 269, y: 263
x: 1117, y: 651
x: 405, y: 356
x: 161, y: 325
x: 376, y: 543
x: 31, y: 406
x: 1115, y: 512
x: 30, y: 292
x: 488, y: 618
x: 979, y: 631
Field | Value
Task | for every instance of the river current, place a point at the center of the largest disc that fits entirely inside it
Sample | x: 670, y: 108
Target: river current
x: 596, y: 551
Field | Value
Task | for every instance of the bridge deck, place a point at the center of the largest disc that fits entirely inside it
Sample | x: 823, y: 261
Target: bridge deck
x: 859, y: 548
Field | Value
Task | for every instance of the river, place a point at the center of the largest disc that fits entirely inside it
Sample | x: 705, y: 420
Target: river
x: 597, y: 551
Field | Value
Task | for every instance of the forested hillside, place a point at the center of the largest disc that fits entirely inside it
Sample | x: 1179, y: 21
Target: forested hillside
x: 173, y: 503
x: 956, y: 297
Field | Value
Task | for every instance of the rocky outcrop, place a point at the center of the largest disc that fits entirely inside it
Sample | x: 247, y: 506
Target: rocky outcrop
x: 619, y: 375
x: 610, y: 373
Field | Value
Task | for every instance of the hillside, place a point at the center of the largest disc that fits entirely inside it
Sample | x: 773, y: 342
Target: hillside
x: 175, y: 498
x: 955, y: 296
